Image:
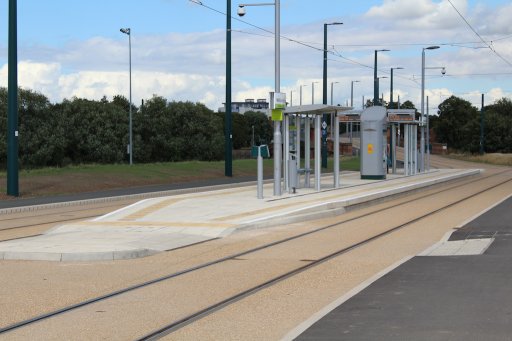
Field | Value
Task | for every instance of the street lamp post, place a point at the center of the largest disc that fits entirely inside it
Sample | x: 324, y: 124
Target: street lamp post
x: 422, y: 138
x: 391, y: 87
x: 324, y: 97
x: 351, y: 126
x: 313, y: 92
x: 12, y: 103
x: 376, y: 80
x: 352, y: 92
x: 325, y: 60
x: 128, y: 32
x: 300, y: 95
x: 228, y: 135
x: 381, y: 100
x: 277, y: 63
x: 332, y: 92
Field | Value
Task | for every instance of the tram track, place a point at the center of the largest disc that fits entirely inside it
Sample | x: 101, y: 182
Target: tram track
x: 311, y: 263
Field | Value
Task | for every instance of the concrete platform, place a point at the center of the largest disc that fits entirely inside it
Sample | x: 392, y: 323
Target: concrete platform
x: 160, y: 224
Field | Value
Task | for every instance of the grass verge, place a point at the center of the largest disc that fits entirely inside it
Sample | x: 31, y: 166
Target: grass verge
x: 490, y: 158
x: 94, y: 177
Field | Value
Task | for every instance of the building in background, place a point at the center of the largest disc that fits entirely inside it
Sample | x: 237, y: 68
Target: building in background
x: 260, y: 105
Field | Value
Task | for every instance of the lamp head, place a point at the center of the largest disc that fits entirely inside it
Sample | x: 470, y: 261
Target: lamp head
x: 125, y: 31
x: 432, y: 47
x: 241, y: 11
x: 443, y: 71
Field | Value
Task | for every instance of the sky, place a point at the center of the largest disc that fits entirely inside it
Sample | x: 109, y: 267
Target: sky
x: 75, y: 48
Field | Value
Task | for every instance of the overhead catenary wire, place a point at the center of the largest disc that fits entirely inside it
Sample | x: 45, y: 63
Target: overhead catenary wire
x: 479, y: 36
x: 332, y: 51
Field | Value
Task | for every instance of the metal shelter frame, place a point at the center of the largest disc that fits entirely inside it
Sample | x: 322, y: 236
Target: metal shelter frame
x: 304, y: 114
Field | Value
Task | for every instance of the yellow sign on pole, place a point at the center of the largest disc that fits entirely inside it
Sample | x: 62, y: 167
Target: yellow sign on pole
x: 277, y: 115
x: 370, y: 148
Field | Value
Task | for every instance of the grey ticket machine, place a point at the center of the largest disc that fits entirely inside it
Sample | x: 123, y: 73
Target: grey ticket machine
x: 373, y: 143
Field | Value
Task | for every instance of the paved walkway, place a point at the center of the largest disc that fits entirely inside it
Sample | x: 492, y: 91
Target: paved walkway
x: 158, y: 224
x: 457, y: 290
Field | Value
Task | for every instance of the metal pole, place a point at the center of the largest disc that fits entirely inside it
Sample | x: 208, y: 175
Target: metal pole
x: 332, y: 88
x: 336, y: 151
x: 313, y: 92
x: 307, y: 151
x: 391, y: 91
x: 375, y: 82
x: 131, y: 138
x: 428, y: 138
x: 277, y: 124
x: 297, y: 142
x: 415, y: 144
x: 260, y: 174
x: 300, y: 100
x: 324, y: 90
x: 406, y: 149
x: 422, y: 139
x: 482, y: 112
x: 286, y: 150
x: 352, y: 94
x: 12, y: 99
x: 228, y: 135
x: 393, y: 147
x: 317, y: 152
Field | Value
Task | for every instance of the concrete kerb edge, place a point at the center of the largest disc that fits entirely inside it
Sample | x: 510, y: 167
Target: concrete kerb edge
x: 78, y: 256
x: 334, y: 208
x: 363, y: 199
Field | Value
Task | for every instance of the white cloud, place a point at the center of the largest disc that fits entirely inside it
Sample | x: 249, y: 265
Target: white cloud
x: 191, y: 66
x: 402, y: 9
x: 51, y: 81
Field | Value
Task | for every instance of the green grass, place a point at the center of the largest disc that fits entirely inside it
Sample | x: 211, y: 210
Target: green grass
x: 93, y: 177
x: 161, y: 170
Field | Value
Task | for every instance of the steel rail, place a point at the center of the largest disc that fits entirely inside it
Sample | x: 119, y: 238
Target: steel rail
x: 249, y: 251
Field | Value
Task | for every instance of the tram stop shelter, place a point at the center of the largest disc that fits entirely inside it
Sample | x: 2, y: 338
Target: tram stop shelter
x: 297, y: 123
x: 375, y: 150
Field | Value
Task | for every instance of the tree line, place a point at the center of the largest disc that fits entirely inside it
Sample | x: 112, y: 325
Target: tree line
x: 78, y: 131
x: 458, y: 124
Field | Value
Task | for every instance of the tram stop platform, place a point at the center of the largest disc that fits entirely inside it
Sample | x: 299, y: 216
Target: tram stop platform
x: 165, y: 223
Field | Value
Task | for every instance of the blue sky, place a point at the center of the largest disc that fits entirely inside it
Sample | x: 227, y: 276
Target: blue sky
x: 74, y: 48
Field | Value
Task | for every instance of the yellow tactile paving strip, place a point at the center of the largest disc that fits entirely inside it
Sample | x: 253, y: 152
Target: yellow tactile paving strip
x: 142, y: 213
x: 154, y: 224
x: 151, y: 209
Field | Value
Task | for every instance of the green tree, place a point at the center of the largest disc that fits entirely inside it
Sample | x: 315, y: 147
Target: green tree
x: 41, y: 139
x: 263, y: 131
x: 498, y: 127
x: 96, y: 132
x: 458, y: 124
